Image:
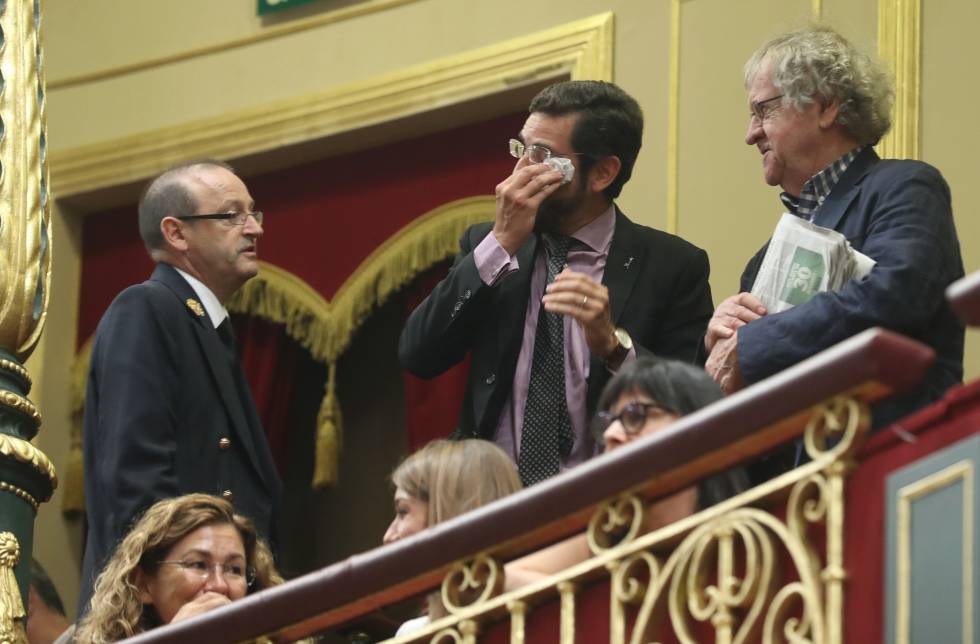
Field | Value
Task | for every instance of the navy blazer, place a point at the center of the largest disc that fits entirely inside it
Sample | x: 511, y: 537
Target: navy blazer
x: 162, y: 393
x: 899, y: 214
x: 658, y: 292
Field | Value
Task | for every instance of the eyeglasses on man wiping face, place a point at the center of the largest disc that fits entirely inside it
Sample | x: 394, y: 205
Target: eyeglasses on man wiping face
x: 537, y: 153
x: 235, y: 218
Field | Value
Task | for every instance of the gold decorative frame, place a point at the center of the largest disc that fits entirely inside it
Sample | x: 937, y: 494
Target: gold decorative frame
x: 267, y: 33
x: 581, y: 49
x: 962, y: 471
x: 900, y: 47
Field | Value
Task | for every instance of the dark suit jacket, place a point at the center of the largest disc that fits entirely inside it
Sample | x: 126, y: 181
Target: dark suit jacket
x: 899, y: 214
x: 658, y: 292
x: 162, y: 391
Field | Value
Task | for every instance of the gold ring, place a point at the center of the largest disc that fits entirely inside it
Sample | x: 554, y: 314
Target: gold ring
x: 585, y: 300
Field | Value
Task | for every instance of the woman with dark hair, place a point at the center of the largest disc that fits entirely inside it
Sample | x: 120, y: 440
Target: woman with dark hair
x: 185, y: 556
x: 643, y: 398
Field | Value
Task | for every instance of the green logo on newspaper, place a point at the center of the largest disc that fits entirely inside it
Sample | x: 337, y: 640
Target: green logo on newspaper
x: 804, y: 277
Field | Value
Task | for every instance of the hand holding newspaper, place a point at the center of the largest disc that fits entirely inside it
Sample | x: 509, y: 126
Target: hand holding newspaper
x: 804, y: 259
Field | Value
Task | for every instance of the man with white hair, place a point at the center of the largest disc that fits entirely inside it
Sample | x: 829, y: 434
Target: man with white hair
x: 818, y: 105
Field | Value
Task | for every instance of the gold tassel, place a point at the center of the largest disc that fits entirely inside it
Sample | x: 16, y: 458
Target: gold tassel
x: 326, y: 470
x: 11, y: 604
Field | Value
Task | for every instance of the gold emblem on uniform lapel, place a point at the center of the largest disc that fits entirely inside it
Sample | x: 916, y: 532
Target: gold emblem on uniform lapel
x: 195, y: 306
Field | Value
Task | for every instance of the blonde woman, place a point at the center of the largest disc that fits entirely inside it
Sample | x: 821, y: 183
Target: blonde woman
x: 185, y: 556
x: 443, y: 480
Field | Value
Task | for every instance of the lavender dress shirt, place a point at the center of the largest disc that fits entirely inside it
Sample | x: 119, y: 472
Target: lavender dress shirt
x: 493, y: 262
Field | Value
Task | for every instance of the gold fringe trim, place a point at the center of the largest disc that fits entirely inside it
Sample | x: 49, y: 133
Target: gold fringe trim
x: 325, y: 328
x: 11, y: 604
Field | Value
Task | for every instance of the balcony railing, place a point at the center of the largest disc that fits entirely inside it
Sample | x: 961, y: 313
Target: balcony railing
x: 767, y: 561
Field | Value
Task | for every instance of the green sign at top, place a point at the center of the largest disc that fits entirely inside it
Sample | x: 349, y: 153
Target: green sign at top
x: 269, y: 6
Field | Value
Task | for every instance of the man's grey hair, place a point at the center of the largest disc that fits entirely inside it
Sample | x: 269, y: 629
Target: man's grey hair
x: 817, y: 64
x: 168, y: 196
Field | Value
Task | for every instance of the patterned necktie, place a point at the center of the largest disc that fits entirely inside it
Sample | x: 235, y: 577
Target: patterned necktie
x: 547, y: 430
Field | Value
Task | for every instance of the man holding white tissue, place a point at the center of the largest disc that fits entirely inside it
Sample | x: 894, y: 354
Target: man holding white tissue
x: 817, y: 106
x: 561, y: 289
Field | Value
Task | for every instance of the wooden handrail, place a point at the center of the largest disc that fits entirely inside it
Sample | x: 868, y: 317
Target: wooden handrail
x: 870, y: 365
x: 964, y: 297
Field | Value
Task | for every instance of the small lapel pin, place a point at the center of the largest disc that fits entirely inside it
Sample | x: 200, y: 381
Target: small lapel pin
x: 195, y: 307
x: 628, y: 262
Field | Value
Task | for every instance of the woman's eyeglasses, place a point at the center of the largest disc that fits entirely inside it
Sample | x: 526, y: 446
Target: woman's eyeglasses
x: 233, y: 573
x: 632, y: 417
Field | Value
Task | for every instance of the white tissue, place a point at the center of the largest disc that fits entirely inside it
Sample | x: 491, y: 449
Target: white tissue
x: 563, y: 165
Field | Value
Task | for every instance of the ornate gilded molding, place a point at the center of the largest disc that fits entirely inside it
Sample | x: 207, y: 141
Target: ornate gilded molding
x: 23, y: 451
x: 12, y: 612
x: 25, y: 222
x: 266, y: 33
x: 17, y: 370
x: 22, y: 493
x: 900, y: 47
x: 581, y: 49
x: 21, y: 405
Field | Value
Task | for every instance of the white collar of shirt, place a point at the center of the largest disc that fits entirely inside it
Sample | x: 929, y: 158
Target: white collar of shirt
x: 216, y: 310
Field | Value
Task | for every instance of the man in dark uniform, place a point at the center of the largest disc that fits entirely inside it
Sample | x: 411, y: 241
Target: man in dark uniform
x: 167, y: 407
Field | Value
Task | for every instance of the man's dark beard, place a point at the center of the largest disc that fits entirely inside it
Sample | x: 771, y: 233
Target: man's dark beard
x: 555, y: 211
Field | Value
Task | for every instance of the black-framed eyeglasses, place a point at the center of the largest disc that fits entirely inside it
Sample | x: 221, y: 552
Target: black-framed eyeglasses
x: 233, y: 573
x: 537, y: 153
x: 761, y: 110
x: 632, y: 417
x: 236, y: 218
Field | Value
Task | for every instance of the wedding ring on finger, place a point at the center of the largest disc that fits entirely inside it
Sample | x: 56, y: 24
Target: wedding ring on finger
x: 585, y: 300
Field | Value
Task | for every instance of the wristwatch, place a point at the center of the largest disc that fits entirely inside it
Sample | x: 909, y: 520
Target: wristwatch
x: 623, y: 345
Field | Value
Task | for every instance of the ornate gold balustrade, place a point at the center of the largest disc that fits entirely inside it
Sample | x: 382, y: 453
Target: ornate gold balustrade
x: 764, y: 566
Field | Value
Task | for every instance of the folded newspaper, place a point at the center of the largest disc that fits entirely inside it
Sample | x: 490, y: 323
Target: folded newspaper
x: 804, y: 259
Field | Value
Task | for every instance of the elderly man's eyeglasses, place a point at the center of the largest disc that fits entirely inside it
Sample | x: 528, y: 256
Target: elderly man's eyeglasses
x: 233, y: 573
x: 761, y: 110
x: 537, y: 153
x: 632, y: 417
x: 235, y: 218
